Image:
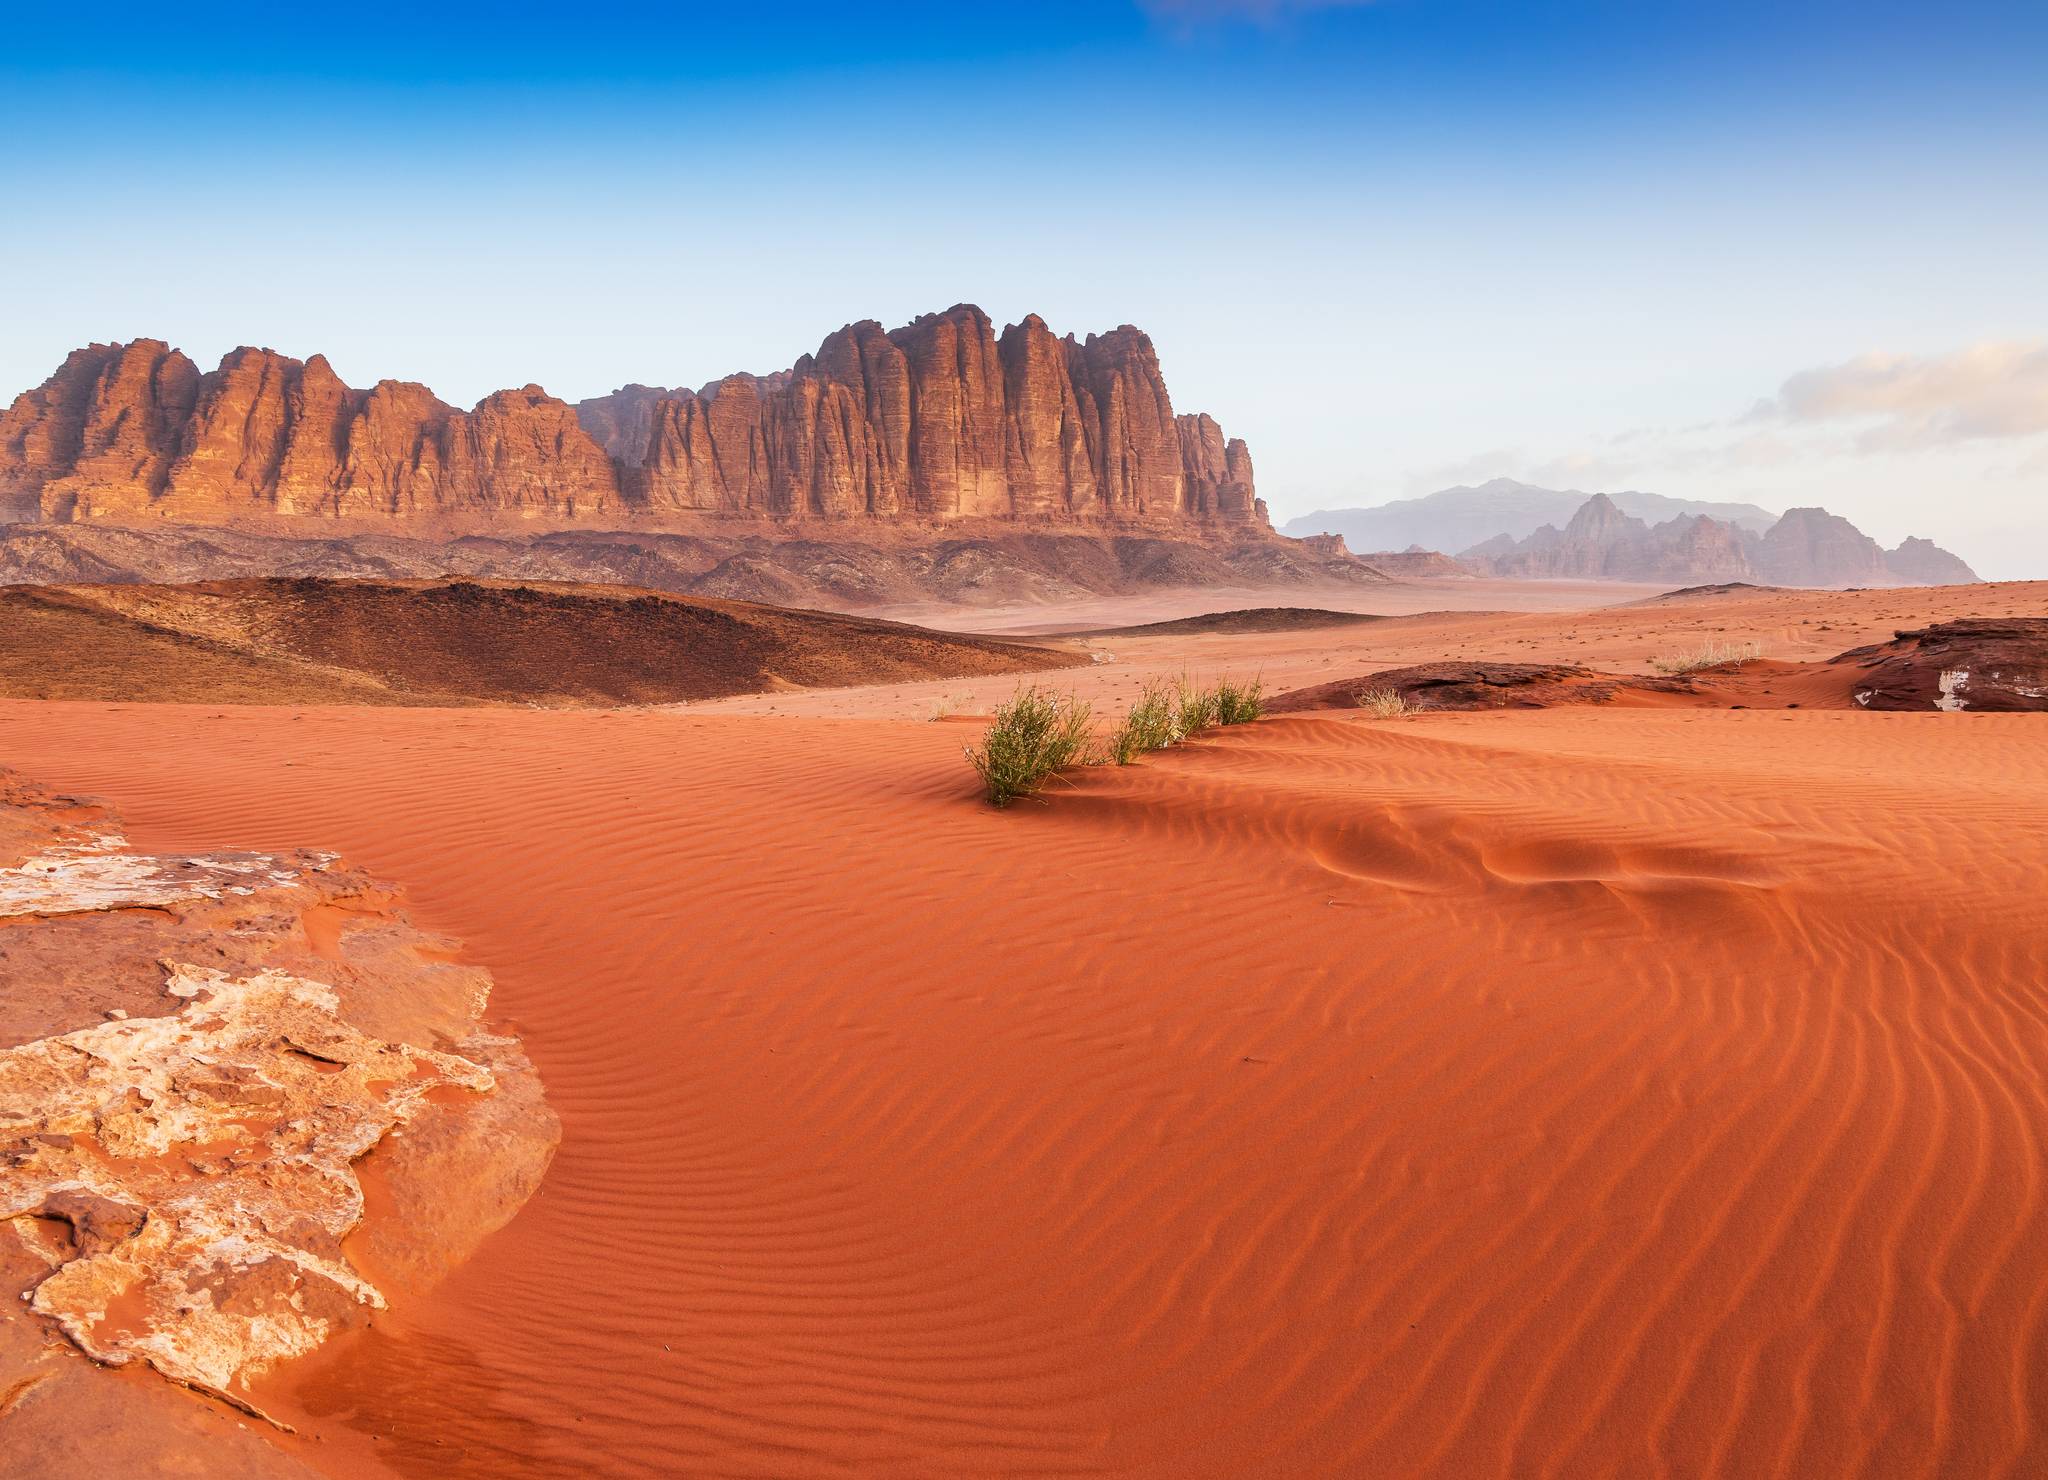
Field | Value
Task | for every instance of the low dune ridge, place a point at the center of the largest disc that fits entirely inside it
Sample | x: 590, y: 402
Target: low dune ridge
x: 454, y: 642
x: 1242, y: 619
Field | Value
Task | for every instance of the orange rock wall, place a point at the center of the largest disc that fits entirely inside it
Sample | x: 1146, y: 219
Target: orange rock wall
x: 940, y: 420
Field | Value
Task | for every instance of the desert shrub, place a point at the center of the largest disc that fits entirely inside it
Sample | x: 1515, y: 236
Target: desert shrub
x: 1194, y: 708
x: 1148, y: 725
x: 1384, y: 703
x: 1709, y: 655
x: 1239, y: 703
x: 1029, y: 739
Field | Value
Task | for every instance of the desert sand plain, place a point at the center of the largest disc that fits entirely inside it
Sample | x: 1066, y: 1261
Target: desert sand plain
x: 1588, y: 1091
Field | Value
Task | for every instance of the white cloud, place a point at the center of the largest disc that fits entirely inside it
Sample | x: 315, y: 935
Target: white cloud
x: 1951, y: 446
x: 1984, y: 391
x: 1873, y: 406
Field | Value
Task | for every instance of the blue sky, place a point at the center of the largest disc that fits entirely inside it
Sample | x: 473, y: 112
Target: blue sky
x: 1394, y: 245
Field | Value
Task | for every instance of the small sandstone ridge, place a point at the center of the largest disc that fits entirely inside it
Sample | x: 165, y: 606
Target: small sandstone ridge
x: 940, y: 420
x: 982, y: 563
x: 454, y: 642
x: 1474, y: 686
x: 1994, y: 664
x: 1418, y: 564
x: 1245, y: 619
x: 1411, y: 564
x: 199, y: 1057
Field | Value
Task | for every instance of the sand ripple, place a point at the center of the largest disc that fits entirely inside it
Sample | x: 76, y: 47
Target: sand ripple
x: 1552, y: 1094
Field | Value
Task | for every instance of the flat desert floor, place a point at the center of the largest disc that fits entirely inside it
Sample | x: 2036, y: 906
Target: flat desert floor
x: 1584, y: 1092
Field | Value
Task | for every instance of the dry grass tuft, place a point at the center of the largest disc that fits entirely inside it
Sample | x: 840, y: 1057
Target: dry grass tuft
x: 1709, y: 655
x: 1385, y: 703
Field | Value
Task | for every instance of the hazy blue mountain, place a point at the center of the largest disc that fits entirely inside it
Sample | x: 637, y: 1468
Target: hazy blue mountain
x: 1456, y: 519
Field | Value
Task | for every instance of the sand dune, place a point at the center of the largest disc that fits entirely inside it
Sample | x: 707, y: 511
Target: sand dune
x: 452, y: 642
x: 1583, y: 1092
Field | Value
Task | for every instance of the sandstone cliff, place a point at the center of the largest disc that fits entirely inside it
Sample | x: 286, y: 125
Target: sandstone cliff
x: 942, y: 420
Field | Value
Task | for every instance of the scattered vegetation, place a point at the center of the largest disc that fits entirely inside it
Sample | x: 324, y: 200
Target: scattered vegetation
x: 1166, y: 715
x: 1039, y: 733
x: 949, y: 705
x: 1035, y: 735
x: 1709, y: 655
x: 1384, y: 703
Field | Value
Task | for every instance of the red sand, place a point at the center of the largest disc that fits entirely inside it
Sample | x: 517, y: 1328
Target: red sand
x: 1591, y: 1092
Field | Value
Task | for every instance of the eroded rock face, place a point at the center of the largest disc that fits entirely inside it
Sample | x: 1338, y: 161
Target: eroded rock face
x: 1993, y: 664
x: 200, y: 1167
x: 197, y: 1053
x: 940, y: 420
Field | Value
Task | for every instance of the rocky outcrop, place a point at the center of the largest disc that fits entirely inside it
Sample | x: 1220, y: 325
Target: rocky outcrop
x: 1991, y: 664
x: 940, y: 421
x: 1411, y: 564
x: 1807, y: 547
x: 200, y: 1056
x: 1418, y: 565
x: 1459, y: 686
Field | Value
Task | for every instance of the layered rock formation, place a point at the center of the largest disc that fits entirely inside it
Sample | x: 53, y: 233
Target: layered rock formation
x: 1806, y: 547
x: 939, y: 421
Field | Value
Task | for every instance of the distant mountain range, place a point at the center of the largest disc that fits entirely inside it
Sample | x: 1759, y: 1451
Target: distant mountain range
x: 1456, y: 519
x: 1505, y: 528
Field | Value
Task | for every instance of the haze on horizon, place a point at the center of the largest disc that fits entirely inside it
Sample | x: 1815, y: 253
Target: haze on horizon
x: 1733, y: 254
